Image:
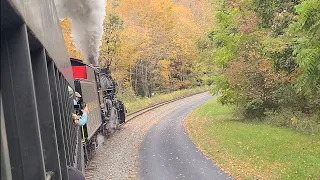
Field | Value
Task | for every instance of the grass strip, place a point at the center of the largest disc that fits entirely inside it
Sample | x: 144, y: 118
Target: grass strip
x: 253, y: 150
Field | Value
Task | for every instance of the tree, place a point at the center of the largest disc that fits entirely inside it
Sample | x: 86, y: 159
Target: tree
x: 306, y: 33
x: 259, y: 62
x: 158, y: 31
x: 66, y: 30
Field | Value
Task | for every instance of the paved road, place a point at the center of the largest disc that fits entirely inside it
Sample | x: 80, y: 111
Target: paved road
x: 117, y: 157
x: 167, y: 153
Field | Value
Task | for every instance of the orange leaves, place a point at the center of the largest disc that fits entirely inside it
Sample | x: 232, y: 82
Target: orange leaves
x: 202, y: 11
x: 247, y: 22
x: 159, y: 31
x: 66, y: 30
x: 164, y: 69
x: 170, y: 27
x: 255, y: 79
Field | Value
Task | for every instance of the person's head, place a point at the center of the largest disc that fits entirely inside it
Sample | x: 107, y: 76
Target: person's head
x: 78, y: 96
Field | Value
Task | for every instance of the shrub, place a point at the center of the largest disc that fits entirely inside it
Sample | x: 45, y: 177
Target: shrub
x: 254, y: 109
x: 309, y: 124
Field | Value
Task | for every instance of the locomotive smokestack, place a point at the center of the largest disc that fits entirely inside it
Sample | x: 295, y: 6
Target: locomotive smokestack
x: 86, y: 18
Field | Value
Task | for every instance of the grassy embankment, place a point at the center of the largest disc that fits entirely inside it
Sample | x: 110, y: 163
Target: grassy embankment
x: 137, y: 103
x: 253, y: 150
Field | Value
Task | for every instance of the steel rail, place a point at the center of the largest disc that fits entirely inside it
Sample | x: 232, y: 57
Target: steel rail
x: 147, y: 109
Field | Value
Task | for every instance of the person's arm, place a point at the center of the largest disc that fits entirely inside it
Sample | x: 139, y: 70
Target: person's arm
x: 83, y: 119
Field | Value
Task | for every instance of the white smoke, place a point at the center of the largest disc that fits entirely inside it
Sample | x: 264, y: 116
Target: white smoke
x: 86, y: 17
x: 100, y: 139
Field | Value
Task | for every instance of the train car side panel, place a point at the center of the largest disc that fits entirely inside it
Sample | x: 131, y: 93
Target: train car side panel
x: 42, y: 19
x: 90, y: 97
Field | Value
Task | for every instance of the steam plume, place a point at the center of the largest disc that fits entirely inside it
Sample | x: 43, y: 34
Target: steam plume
x: 86, y: 17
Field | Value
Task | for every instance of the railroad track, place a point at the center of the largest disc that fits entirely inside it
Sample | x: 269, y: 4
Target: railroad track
x: 147, y: 109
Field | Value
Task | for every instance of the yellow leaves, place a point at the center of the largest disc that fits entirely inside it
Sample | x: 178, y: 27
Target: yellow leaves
x: 167, y: 28
x: 134, y: 45
x: 164, y: 68
x: 294, y: 120
x: 157, y: 32
x: 202, y: 11
x: 66, y: 30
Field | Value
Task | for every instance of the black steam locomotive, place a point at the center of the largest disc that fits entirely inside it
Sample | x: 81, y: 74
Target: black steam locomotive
x: 98, y: 91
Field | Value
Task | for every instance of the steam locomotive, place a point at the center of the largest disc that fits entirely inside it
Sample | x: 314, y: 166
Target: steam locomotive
x: 98, y: 91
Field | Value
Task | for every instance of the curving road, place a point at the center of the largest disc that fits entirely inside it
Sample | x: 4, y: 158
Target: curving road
x: 167, y: 153
x: 154, y: 146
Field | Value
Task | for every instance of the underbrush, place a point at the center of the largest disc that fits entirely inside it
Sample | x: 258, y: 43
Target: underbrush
x: 295, y: 120
x: 257, y: 112
x: 134, y: 103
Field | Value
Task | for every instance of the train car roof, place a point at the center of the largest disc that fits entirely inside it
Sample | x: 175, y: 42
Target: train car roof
x: 44, y: 29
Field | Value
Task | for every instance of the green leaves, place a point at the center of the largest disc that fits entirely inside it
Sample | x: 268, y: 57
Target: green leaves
x: 306, y: 36
x: 111, y: 39
x: 225, y: 39
x: 260, y: 45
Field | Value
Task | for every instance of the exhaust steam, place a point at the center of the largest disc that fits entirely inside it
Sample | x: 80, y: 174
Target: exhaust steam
x: 100, y: 139
x: 86, y: 17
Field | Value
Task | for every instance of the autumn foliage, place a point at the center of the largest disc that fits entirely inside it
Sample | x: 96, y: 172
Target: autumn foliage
x: 66, y: 30
x: 150, y: 46
x: 257, y: 47
x: 261, y: 55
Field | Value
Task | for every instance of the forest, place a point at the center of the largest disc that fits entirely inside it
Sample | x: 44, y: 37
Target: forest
x: 267, y: 55
x: 261, y: 56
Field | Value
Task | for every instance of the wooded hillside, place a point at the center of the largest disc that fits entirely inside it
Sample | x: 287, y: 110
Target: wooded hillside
x: 151, y: 45
x: 263, y: 56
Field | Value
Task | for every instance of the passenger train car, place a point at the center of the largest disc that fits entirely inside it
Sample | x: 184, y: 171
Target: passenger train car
x: 39, y: 139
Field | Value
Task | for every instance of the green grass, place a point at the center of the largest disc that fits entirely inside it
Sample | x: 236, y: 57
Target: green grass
x: 253, y: 151
x: 136, y: 103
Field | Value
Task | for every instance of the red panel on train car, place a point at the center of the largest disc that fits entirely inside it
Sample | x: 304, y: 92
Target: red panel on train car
x: 79, y: 72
